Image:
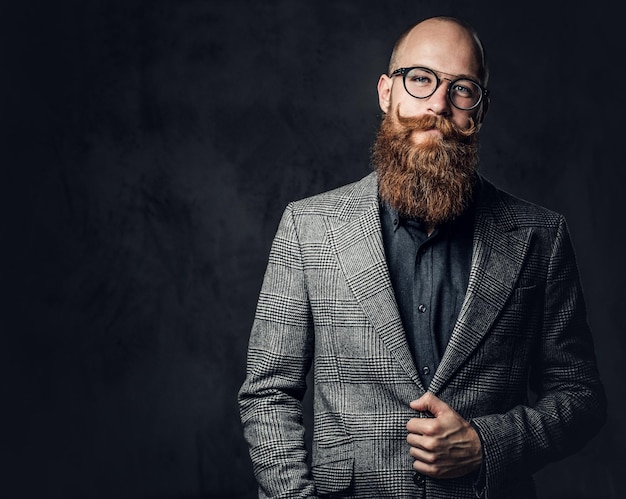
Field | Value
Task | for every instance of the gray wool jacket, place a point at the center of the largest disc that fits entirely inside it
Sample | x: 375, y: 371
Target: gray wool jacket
x: 327, y: 302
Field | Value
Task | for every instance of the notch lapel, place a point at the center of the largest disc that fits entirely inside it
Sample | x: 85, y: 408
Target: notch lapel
x: 499, y: 252
x: 360, y: 252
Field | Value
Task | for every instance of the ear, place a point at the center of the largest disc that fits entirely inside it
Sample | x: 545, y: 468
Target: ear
x: 384, y: 92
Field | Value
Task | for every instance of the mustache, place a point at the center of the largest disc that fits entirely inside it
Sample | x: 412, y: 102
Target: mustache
x: 448, y: 129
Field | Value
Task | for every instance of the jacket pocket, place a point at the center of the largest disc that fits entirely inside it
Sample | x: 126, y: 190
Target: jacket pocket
x: 525, y: 294
x: 333, y: 467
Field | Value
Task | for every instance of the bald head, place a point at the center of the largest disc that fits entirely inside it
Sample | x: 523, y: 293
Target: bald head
x: 456, y: 35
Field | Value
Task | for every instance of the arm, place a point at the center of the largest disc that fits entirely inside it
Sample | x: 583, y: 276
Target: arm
x: 571, y: 405
x: 279, y: 357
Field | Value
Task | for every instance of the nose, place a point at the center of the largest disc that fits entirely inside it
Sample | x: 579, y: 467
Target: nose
x: 438, y: 103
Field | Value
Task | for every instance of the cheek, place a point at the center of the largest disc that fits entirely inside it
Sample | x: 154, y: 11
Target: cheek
x: 409, y: 106
x: 463, y: 120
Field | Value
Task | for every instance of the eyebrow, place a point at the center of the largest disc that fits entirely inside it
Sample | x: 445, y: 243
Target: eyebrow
x: 462, y: 75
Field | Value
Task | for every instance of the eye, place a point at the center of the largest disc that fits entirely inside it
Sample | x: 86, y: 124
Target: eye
x: 463, y: 90
x: 418, y: 77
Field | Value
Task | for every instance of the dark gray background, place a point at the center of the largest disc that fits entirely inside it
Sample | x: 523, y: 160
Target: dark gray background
x: 149, y: 148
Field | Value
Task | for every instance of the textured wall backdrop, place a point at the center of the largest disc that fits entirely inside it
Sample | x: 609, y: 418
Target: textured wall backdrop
x: 149, y: 148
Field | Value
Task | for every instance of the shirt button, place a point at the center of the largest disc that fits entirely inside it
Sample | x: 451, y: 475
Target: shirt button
x: 395, y: 221
x: 425, y: 370
x: 421, y: 308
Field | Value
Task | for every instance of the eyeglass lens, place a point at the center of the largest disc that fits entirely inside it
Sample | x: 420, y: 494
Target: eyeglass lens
x: 422, y: 83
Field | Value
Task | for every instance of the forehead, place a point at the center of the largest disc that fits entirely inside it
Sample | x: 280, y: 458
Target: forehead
x: 441, y: 45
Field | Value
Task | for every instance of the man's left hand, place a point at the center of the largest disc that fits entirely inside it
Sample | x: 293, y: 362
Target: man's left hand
x: 444, y: 446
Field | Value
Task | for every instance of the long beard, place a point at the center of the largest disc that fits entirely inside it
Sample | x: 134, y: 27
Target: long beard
x: 432, y: 181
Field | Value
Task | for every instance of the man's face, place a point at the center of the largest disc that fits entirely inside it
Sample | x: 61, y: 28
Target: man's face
x: 447, y: 49
x: 426, y: 150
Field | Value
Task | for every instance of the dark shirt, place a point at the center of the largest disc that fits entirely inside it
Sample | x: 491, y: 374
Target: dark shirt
x: 429, y: 275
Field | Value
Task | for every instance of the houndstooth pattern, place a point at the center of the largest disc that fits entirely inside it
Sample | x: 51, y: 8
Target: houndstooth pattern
x: 327, y: 301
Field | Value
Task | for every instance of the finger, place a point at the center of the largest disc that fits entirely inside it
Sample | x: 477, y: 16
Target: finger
x: 425, y: 443
x: 424, y: 402
x: 423, y: 456
x: 429, y: 403
x: 422, y: 426
x: 432, y: 470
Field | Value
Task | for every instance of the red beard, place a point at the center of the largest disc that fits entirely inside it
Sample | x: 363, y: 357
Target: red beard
x: 433, y: 180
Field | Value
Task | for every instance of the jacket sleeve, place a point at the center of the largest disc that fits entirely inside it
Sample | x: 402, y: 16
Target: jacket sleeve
x: 279, y: 357
x: 570, y: 407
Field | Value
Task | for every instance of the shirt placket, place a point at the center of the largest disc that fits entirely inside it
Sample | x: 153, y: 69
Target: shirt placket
x: 423, y: 311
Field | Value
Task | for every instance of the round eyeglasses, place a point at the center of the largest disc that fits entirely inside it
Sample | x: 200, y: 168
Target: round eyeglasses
x: 421, y: 83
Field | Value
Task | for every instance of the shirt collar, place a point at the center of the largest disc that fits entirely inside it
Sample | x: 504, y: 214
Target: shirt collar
x: 396, y: 220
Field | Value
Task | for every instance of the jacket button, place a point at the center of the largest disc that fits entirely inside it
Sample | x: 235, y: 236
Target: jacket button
x: 422, y: 308
x: 418, y: 479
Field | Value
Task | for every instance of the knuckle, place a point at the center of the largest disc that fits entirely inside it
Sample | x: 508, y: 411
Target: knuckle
x: 431, y: 445
x: 431, y: 427
x: 436, y: 472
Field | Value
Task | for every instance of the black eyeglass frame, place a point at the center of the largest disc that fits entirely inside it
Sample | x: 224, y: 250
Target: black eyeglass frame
x: 484, y: 93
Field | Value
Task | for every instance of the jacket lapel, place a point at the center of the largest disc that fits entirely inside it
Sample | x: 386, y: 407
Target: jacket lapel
x: 358, y: 245
x: 500, y: 248
x: 499, y: 251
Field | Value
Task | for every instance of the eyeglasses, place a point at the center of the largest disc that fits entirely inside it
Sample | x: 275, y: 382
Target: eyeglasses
x: 421, y: 83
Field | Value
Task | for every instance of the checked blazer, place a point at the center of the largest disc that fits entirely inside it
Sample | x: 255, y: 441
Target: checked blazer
x: 520, y: 363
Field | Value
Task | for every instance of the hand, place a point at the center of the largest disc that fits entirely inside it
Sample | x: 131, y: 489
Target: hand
x: 444, y: 446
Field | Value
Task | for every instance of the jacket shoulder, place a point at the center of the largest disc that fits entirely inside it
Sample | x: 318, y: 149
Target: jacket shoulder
x: 513, y: 211
x: 343, y: 202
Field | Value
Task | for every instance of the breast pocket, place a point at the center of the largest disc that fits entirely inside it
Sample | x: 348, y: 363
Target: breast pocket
x: 525, y: 294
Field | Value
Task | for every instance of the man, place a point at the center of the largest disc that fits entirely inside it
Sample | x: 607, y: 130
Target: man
x: 443, y: 318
